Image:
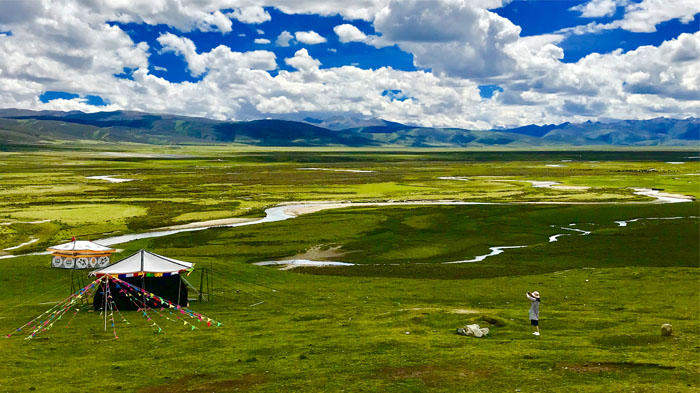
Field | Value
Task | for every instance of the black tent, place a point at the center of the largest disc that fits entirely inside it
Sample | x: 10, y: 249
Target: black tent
x: 154, y: 273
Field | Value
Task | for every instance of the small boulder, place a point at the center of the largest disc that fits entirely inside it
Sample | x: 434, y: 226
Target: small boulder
x: 473, y: 330
x: 666, y: 329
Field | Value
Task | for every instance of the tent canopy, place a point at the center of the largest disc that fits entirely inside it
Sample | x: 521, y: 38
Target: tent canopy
x: 83, y: 246
x: 144, y: 263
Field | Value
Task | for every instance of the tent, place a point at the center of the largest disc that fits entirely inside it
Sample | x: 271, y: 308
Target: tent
x: 80, y: 254
x: 151, y: 272
x: 155, y: 306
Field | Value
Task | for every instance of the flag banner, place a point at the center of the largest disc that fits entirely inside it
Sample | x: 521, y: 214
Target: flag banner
x: 136, y: 295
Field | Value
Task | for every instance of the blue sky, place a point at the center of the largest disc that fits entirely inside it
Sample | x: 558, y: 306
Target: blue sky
x: 331, y: 53
x: 534, y: 17
x: 473, y: 64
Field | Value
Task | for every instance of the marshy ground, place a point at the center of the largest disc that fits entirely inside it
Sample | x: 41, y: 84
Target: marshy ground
x: 388, y: 322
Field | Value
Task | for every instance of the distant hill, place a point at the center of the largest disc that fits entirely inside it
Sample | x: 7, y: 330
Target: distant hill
x: 338, y: 123
x: 25, y: 127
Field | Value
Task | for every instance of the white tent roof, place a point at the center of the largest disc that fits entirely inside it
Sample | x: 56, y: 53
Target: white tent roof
x: 80, y: 245
x: 144, y: 262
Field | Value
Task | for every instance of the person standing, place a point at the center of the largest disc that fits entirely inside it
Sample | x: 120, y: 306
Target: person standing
x: 534, y: 298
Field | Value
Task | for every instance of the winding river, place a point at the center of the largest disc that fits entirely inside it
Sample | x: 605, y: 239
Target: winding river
x: 291, y: 210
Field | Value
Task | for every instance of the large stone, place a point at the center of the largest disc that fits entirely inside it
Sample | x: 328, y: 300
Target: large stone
x: 666, y: 329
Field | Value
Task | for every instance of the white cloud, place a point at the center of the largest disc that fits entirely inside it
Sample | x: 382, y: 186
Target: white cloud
x: 599, y: 8
x: 643, y: 17
x: 260, y: 32
x: 356, y: 9
x: 199, y: 63
x: 55, y: 49
x: 250, y: 15
x: 302, y: 61
x: 185, y: 47
x: 261, y: 41
x: 67, y: 46
x: 185, y: 16
x: 76, y: 104
x: 449, y: 36
x: 637, y: 84
x: 309, y: 37
x: 349, y: 33
x: 284, y: 38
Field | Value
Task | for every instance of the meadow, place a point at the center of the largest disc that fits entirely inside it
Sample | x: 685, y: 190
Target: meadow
x: 388, y: 322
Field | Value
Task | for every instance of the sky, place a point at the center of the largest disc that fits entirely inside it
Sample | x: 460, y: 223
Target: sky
x: 475, y: 64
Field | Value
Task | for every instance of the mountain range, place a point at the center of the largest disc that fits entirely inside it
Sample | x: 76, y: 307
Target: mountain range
x: 26, y: 127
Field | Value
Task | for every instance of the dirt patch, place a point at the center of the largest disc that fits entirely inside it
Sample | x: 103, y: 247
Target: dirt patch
x: 431, y: 309
x: 464, y: 311
x: 433, y: 375
x: 199, y: 383
x: 209, y: 223
x: 297, y: 211
x: 320, y: 252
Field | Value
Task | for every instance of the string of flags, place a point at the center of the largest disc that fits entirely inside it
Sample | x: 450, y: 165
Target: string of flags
x: 142, y: 299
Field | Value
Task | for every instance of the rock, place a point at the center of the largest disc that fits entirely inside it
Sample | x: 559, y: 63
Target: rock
x: 473, y: 330
x: 666, y: 329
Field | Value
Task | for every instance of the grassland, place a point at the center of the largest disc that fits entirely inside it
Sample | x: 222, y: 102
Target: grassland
x: 387, y: 323
x: 178, y: 185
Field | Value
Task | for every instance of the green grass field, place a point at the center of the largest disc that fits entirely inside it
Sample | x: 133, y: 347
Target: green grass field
x: 388, y: 323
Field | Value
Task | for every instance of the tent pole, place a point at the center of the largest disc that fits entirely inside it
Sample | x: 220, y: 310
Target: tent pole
x: 104, y: 293
x: 201, y: 284
x: 179, y: 288
x: 208, y: 287
x: 143, y: 282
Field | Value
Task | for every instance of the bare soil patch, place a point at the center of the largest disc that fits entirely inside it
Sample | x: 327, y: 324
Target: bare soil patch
x: 209, y: 223
x: 320, y: 252
x: 198, y: 383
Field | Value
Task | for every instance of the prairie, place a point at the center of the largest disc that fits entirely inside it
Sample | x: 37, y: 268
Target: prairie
x: 388, y: 322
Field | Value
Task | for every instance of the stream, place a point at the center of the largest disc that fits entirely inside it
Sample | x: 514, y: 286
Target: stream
x: 287, y: 211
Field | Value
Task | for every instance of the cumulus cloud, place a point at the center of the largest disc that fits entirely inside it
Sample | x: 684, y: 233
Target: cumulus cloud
x: 185, y: 47
x: 309, y: 37
x: 302, y: 61
x: 349, y: 33
x: 357, y: 9
x: 599, y: 8
x: 62, y: 45
x: 199, y: 63
x: 250, y: 15
x: 449, y: 36
x: 53, y: 49
x: 76, y: 104
x: 642, y: 17
x: 284, y: 38
x: 185, y: 16
x: 635, y: 84
x: 261, y: 41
